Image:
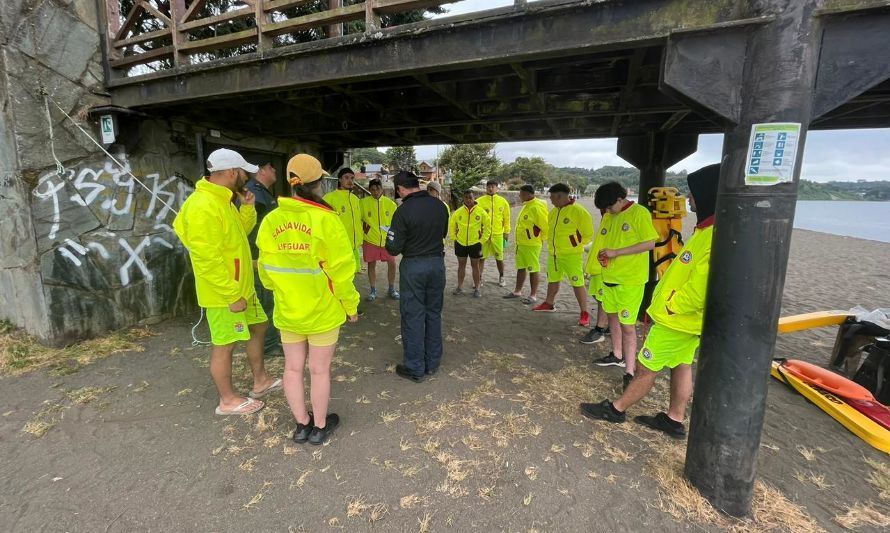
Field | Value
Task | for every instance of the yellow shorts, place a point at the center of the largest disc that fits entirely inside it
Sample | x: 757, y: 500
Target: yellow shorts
x: 566, y: 267
x: 666, y: 347
x: 493, y: 247
x: 325, y: 338
x: 227, y: 327
x: 624, y: 301
x: 528, y: 257
x: 596, y: 287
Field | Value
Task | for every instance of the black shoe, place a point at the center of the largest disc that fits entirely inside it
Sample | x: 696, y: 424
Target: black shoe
x: 319, y: 435
x: 607, y: 332
x: 602, y: 411
x: 593, y: 336
x: 627, y: 379
x: 403, y: 371
x: 432, y: 372
x: 662, y: 422
x: 301, y: 434
x: 609, y: 360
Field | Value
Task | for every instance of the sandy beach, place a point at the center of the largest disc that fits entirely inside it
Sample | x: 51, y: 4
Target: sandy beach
x: 494, y: 442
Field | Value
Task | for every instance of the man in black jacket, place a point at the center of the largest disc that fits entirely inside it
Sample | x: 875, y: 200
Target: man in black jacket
x: 418, y: 228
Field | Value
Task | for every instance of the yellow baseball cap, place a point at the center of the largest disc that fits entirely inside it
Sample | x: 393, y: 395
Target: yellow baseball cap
x: 303, y: 169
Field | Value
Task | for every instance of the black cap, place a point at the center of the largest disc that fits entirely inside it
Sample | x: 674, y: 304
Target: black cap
x: 406, y: 179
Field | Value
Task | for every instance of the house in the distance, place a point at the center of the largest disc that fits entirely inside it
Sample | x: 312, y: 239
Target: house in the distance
x: 371, y: 171
x: 428, y: 172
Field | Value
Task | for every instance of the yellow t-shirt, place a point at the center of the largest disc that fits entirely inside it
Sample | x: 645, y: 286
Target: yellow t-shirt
x: 376, y: 218
x: 631, y: 226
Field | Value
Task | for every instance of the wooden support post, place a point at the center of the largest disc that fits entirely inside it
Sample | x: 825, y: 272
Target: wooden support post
x: 372, y: 19
x: 113, y: 26
x: 264, y: 42
x: 335, y: 30
x: 177, y: 14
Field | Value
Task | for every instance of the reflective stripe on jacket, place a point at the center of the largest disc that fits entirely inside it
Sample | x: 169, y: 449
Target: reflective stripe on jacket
x: 215, y: 233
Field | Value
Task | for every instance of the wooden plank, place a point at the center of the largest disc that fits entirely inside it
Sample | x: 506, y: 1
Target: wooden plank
x: 389, y: 7
x: 193, y: 10
x: 317, y: 20
x: 216, y: 19
x: 139, y: 59
x: 157, y: 14
x: 177, y: 12
x: 223, y: 41
x: 130, y: 21
x: 335, y: 30
x: 143, y: 38
x: 278, y: 5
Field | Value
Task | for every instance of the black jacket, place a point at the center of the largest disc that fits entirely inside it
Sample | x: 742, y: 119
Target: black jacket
x: 418, y: 227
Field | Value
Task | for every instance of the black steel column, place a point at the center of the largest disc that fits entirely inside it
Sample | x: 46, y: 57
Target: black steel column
x: 749, y: 258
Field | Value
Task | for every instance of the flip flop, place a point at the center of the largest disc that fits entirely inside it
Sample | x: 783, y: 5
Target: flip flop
x: 510, y: 296
x: 275, y: 386
x: 249, y: 407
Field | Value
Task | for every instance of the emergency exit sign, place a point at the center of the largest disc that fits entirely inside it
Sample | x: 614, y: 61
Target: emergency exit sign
x: 106, y: 125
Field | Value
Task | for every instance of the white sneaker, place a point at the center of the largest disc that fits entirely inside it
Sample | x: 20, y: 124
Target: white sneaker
x: 501, y: 282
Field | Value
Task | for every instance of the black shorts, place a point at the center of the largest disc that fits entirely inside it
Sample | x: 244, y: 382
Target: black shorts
x: 473, y: 251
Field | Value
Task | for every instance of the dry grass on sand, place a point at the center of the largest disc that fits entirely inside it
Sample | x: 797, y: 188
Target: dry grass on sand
x: 20, y: 353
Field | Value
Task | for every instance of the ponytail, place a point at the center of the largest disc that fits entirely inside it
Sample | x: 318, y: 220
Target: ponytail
x: 309, y: 191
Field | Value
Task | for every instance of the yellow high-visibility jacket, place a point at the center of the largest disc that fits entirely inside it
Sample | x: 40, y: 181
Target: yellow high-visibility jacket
x: 593, y: 266
x: 376, y: 218
x: 215, y: 233
x: 569, y: 229
x: 678, y: 301
x: 531, y: 226
x: 470, y: 226
x: 307, y: 261
x: 498, y: 213
x: 347, y: 206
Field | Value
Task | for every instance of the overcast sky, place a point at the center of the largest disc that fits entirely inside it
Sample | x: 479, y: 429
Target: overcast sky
x: 841, y: 155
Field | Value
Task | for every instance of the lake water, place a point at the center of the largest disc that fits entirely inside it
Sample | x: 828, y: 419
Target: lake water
x: 865, y: 220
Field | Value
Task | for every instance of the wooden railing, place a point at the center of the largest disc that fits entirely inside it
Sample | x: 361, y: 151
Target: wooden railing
x: 175, y: 35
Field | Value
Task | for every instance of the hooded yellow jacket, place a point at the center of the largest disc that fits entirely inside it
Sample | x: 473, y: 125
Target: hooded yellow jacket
x: 531, y: 225
x: 376, y: 218
x: 569, y: 229
x: 498, y: 213
x: 347, y: 206
x: 307, y: 261
x: 215, y: 233
x: 593, y: 266
x: 678, y: 301
x: 470, y: 226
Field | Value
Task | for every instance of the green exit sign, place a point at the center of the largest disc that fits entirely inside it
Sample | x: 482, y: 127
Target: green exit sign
x: 106, y: 125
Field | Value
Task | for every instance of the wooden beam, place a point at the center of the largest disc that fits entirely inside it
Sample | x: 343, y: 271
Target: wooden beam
x: 130, y: 21
x: 316, y: 20
x: 223, y: 41
x: 279, y: 5
x: 263, y: 19
x: 145, y: 57
x: 193, y: 10
x: 335, y: 30
x: 157, y: 14
x: 143, y: 37
x: 235, y: 14
x: 390, y: 7
x: 177, y: 13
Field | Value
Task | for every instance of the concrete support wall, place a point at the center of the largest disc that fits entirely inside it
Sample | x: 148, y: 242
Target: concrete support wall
x: 89, y: 250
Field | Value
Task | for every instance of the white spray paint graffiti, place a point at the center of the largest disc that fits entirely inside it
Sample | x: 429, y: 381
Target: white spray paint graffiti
x: 116, y: 189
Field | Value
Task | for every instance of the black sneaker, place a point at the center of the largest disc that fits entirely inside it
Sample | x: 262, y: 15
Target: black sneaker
x: 602, y: 411
x: 403, y: 371
x: 609, y: 360
x: 607, y: 332
x: 301, y: 434
x: 627, y: 379
x: 662, y: 422
x: 593, y: 336
x: 319, y: 435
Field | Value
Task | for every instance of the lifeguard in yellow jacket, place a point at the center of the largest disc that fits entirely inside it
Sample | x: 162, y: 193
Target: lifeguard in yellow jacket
x: 346, y: 204
x: 377, y: 211
x: 306, y: 260
x: 469, y: 229
x: 677, y: 307
x: 215, y: 233
x: 531, y: 232
x: 569, y: 229
x: 499, y: 220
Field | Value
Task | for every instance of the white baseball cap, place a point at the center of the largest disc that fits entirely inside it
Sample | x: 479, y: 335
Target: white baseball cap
x: 225, y: 159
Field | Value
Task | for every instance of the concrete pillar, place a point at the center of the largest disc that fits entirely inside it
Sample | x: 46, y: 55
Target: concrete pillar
x: 653, y: 154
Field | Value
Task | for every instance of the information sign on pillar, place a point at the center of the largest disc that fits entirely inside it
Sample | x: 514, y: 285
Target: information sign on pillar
x: 772, y: 153
x: 108, y: 129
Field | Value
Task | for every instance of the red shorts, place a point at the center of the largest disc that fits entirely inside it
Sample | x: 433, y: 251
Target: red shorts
x: 374, y: 254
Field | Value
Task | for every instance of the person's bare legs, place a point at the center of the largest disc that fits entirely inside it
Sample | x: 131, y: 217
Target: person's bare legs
x: 638, y: 388
x: 681, y: 391
x: 481, y: 266
x: 372, y: 275
x: 391, y: 273
x: 552, y: 291
x: 629, y: 346
x: 292, y: 381
x: 461, y: 271
x: 500, y: 265
x: 602, y: 319
x: 221, y: 372
x: 617, y: 337
x: 320, y: 382
x: 581, y: 296
x: 255, y: 348
x: 476, y: 265
x: 520, y: 281
x: 534, y: 281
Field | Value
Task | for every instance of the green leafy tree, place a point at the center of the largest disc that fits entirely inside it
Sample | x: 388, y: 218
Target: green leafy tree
x: 368, y: 156
x: 471, y: 159
x: 401, y: 158
x: 532, y: 170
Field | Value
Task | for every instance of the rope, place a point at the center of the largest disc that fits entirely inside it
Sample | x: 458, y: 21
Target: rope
x: 124, y: 169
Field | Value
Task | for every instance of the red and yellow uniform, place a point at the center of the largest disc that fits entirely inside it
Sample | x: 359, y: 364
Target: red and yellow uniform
x: 569, y: 228
x: 469, y: 226
x: 531, y: 232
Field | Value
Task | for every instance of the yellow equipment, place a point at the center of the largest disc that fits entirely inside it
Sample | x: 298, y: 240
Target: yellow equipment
x: 668, y: 208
